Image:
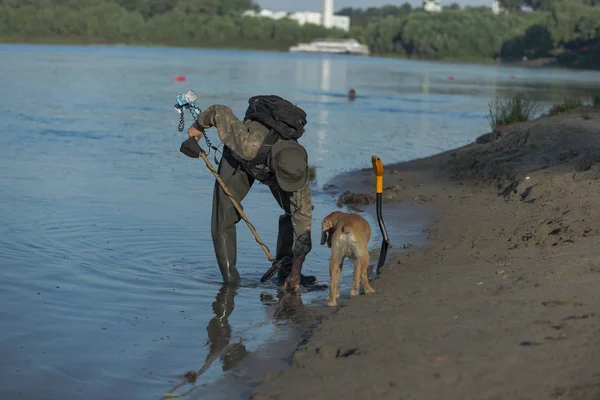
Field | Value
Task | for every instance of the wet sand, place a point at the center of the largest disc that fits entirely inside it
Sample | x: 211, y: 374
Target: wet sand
x: 502, y: 300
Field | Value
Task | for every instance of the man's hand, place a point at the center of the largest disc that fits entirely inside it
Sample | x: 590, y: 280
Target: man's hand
x: 292, y: 282
x: 193, y: 131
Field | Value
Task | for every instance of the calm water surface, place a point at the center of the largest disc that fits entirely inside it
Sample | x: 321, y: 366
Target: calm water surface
x: 108, y: 282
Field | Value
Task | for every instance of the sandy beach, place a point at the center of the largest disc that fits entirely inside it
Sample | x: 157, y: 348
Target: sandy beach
x: 502, y: 300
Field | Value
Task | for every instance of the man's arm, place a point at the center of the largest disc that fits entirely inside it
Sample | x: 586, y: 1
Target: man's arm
x: 232, y: 132
x: 301, y: 209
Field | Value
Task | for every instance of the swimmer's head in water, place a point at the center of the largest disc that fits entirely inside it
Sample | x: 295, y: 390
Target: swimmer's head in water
x: 352, y: 94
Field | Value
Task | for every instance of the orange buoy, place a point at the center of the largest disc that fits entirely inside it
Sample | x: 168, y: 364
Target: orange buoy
x: 450, y: 78
x: 180, y: 78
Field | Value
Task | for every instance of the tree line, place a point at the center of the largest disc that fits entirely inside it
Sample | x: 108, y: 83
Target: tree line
x: 567, y: 31
x: 563, y: 31
x: 197, y: 23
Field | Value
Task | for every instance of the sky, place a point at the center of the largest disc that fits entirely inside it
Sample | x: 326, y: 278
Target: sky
x: 317, y: 5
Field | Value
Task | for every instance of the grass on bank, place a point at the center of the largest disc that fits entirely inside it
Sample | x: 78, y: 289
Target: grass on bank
x: 312, y: 173
x: 516, y: 108
x: 568, y: 104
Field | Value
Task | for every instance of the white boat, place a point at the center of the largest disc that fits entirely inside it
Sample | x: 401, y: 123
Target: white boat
x: 332, y: 46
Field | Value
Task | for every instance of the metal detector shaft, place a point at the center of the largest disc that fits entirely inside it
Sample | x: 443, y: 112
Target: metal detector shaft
x: 378, y: 169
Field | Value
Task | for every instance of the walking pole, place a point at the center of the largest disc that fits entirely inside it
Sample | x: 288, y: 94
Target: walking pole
x: 378, y: 169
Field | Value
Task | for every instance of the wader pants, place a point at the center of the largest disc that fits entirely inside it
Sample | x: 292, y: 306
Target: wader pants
x: 225, y: 217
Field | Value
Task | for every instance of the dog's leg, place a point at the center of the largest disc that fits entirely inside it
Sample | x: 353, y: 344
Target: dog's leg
x: 339, y: 277
x: 335, y: 269
x: 357, y: 277
x: 364, y: 267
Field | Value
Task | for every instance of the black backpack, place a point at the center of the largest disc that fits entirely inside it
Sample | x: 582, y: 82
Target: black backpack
x: 277, y: 114
x: 285, y: 121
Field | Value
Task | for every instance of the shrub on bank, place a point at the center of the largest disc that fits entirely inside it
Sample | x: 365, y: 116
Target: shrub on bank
x: 312, y: 173
x: 517, y: 108
x: 568, y: 104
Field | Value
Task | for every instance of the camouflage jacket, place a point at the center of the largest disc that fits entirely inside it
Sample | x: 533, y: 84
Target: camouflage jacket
x: 244, y: 138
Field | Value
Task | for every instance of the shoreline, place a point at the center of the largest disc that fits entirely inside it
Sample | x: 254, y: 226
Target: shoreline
x: 533, y: 64
x: 500, y: 303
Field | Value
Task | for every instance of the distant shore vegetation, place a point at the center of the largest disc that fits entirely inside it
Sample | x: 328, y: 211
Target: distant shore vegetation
x: 538, y: 32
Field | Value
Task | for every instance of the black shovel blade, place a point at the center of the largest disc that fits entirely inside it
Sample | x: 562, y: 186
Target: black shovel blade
x: 271, y: 272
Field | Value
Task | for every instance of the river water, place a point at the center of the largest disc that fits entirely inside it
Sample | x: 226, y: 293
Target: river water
x: 108, y: 282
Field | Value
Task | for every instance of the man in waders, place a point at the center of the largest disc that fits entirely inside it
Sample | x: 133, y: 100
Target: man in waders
x: 262, y: 147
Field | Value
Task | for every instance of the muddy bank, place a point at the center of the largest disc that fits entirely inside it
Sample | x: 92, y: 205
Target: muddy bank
x: 503, y: 300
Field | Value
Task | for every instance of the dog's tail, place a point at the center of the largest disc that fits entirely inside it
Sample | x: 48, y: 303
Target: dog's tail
x: 348, y: 237
x: 348, y: 233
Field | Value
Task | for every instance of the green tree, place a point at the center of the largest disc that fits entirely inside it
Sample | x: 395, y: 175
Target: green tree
x: 537, y: 42
x: 511, y: 5
x: 257, y: 29
x: 234, y: 7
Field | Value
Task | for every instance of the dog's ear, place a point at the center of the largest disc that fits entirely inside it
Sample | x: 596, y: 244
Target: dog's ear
x: 325, y: 226
x: 324, y: 237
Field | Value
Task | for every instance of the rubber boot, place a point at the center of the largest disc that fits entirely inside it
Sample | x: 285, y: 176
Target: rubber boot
x: 308, y: 280
x: 225, y: 250
x: 286, y: 268
x: 225, y: 216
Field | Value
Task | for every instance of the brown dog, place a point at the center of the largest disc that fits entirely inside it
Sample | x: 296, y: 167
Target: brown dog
x: 347, y: 235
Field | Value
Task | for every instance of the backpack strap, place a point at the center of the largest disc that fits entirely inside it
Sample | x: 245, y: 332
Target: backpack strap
x: 261, y: 158
x: 265, y: 148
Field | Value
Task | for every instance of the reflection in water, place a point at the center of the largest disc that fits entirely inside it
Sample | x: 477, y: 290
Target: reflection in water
x: 219, y: 337
x: 219, y: 331
x: 323, y: 113
x: 425, y: 83
x: 325, y: 74
x: 424, y: 119
x: 286, y: 305
x: 494, y: 86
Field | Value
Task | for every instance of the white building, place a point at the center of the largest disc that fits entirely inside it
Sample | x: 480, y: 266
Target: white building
x: 265, y: 13
x: 326, y: 19
x: 497, y: 8
x: 328, y: 14
x: 307, y: 17
x: 432, y: 5
x: 310, y: 17
x: 341, y: 22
